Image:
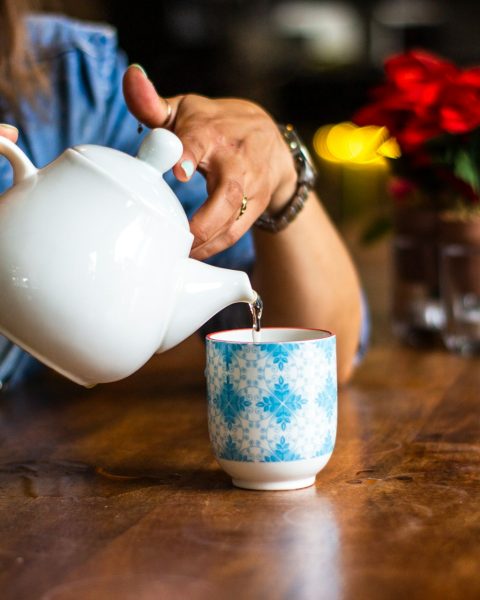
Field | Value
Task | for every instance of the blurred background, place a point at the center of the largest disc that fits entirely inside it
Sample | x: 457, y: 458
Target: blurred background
x: 310, y: 62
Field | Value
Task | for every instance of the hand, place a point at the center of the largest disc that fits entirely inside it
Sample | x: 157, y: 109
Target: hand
x: 237, y: 147
x: 9, y: 131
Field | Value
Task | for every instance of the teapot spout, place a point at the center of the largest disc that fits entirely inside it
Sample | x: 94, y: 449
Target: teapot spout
x: 203, y: 291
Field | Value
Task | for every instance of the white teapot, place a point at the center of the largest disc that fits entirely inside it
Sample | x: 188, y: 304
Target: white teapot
x: 95, y: 274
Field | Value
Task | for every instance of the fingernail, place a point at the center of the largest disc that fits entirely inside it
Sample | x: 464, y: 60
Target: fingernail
x: 188, y: 168
x: 140, y: 68
x: 8, y: 126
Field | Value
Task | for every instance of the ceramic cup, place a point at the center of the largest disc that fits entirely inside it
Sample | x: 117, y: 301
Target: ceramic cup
x: 272, y: 405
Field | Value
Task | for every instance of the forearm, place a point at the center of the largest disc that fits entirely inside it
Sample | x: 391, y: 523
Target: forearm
x: 306, y: 278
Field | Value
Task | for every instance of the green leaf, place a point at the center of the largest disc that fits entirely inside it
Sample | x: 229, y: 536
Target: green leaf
x: 376, y: 230
x: 465, y: 169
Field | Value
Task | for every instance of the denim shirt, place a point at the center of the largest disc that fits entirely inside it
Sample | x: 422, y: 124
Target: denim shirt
x: 86, y: 106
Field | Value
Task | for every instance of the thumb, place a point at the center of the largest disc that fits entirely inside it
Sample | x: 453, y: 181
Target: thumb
x: 9, y: 131
x: 144, y: 102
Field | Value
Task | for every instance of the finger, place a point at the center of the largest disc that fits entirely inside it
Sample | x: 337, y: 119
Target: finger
x: 243, y: 219
x: 196, y: 151
x: 219, y: 243
x: 9, y: 131
x: 222, y: 206
x: 225, y: 238
x: 143, y: 100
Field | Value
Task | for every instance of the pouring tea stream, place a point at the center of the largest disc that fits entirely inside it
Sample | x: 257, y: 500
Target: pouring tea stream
x: 95, y: 274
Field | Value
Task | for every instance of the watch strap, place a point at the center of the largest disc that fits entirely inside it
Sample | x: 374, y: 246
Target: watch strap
x: 278, y: 222
x: 305, y: 180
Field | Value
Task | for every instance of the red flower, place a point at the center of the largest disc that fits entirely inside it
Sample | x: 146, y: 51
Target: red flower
x: 460, y: 108
x: 415, y: 132
x: 401, y: 188
x: 408, y: 103
x: 432, y: 108
x: 418, y: 78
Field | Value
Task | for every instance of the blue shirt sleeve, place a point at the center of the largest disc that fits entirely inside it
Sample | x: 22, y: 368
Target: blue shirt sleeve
x: 365, y: 330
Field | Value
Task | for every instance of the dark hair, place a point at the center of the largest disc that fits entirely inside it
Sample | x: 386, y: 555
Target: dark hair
x: 21, y: 76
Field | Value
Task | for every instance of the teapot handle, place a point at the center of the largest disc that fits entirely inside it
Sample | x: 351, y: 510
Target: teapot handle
x: 22, y: 166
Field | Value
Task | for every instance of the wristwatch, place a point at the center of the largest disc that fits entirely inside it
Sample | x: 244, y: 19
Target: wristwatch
x: 306, y: 176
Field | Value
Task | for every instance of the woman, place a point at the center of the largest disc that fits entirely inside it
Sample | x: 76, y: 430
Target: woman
x: 61, y: 84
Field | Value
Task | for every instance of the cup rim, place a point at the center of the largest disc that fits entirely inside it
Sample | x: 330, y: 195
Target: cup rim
x: 329, y: 335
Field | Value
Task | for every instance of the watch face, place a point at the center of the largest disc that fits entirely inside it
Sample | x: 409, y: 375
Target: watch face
x: 305, y: 165
x: 309, y: 171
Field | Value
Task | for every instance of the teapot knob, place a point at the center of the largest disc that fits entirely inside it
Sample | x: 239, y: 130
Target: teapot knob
x: 161, y: 149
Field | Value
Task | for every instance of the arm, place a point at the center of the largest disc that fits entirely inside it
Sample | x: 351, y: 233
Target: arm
x: 306, y: 278
x: 304, y: 274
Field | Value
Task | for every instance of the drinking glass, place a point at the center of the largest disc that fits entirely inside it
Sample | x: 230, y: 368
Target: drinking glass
x: 460, y: 284
x: 417, y: 310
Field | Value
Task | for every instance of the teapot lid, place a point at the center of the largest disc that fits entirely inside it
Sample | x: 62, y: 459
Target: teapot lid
x: 141, y: 180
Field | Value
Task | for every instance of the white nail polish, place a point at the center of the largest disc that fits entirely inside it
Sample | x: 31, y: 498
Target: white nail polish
x: 8, y: 126
x: 188, y: 168
x: 140, y: 68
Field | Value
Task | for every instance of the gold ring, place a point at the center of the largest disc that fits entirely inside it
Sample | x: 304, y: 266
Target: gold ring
x: 243, y: 208
x: 169, y: 112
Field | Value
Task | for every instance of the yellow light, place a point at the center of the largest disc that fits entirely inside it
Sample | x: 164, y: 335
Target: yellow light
x: 348, y: 143
x: 320, y: 143
x: 365, y: 141
x: 338, y: 141
x: 390, y: 149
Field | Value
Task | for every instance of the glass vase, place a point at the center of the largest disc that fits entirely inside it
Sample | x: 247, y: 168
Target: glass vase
x: 417, y: 309
x: 460, y: 284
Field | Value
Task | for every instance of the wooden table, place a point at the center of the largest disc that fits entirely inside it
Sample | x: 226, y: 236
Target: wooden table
x: 113, y: 493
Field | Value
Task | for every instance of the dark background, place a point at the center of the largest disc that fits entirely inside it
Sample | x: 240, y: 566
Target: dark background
x: 239, y: 47
x: 310, y: 63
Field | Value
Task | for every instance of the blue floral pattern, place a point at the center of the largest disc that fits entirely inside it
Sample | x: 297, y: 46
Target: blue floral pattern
x: 272, y: 402
x: 282, y: 452
x: 230, y: 403
x: 282, y: 403
x: 279, y: 353
x: 326, y: 398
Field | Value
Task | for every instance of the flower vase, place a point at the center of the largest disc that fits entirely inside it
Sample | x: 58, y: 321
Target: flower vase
x: 417, y: 311
x: 459, y: 241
